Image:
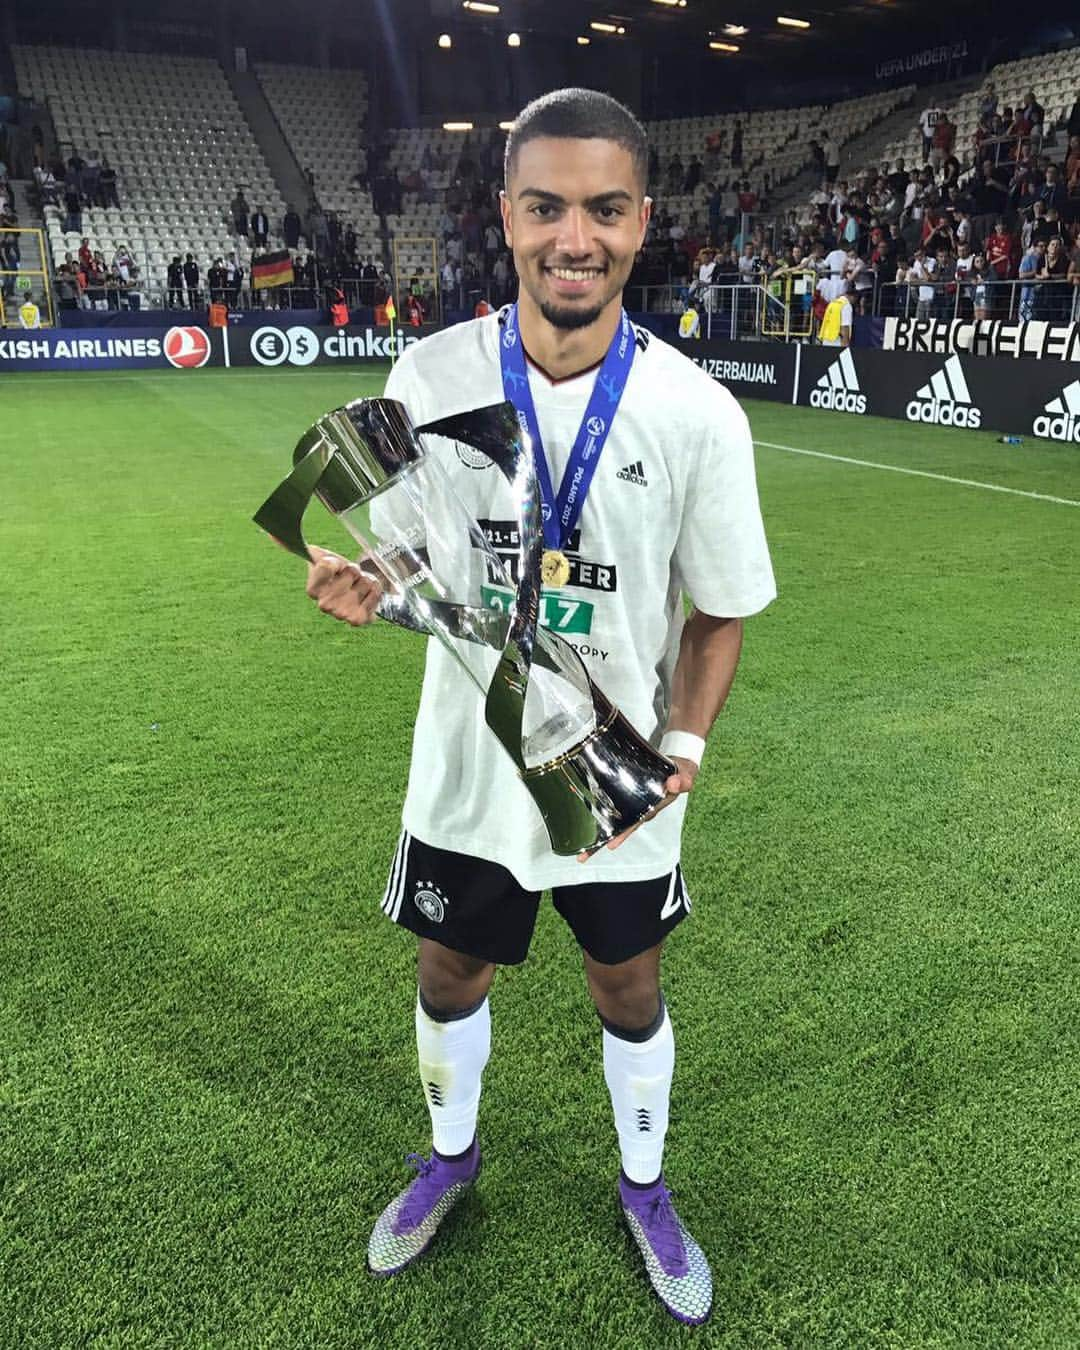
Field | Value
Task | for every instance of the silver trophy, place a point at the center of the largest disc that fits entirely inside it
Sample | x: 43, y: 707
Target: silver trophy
x: 589, y: 772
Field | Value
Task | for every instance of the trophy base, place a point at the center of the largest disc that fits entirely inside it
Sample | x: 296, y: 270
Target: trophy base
x: 610, y: 781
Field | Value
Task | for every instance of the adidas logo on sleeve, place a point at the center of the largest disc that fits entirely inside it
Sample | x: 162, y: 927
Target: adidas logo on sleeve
x: 946, y: 400
x: 1063, y: 424
x: 634, y: 473
x: 838, y: 389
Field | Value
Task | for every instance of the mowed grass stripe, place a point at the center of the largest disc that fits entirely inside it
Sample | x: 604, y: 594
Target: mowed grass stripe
x: 207, y: 1069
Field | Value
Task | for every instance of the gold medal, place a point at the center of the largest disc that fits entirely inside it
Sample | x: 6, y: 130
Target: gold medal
x: 554, y: 568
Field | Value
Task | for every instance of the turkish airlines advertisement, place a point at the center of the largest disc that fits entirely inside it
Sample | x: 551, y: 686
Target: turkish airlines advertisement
x: 184, y: 347
x: 192, y: 346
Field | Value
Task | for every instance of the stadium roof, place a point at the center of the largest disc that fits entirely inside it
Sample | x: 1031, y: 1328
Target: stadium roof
x: 841, y: 33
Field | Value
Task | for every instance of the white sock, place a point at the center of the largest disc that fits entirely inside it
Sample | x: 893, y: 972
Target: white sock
x: 452, y: 1057
x: 638, y: 1075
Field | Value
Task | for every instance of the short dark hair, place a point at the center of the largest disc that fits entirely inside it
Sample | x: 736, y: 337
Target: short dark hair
x: 578, y: 114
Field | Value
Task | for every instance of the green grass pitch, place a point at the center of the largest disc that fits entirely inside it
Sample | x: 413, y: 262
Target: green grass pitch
x: 207, y: 1067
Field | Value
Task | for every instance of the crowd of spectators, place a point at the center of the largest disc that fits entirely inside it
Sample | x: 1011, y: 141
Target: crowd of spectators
x: 77, y: 184
x: 933, y: 239
x: 474, y: 260
x: 985, y: 230
x: 87, y: 280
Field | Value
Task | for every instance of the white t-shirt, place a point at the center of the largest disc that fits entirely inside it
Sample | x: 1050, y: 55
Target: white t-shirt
x: 673, y: 508
x: 928, y: 120
x: 860, y: 274
x: 923, y: 271
x: 836, y: 261
x: 832, y: 288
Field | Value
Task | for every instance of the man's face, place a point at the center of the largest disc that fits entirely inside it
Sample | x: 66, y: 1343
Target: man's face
x: 574, y: 214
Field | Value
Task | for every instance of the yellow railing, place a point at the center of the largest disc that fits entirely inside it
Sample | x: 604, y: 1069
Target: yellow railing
x: 787, y: 311
x: 29, y: 279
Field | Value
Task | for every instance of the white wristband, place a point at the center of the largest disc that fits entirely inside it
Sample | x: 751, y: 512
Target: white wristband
x: 684, y: 744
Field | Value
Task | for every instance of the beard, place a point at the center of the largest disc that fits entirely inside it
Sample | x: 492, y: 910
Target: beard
x: 569, y: 319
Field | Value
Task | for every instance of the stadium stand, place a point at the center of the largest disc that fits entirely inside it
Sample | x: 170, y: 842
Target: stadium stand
x: 322, y: 114
x: 177, y: 175
x: 776, y: 144
x: 424, y: 162
x: 973, y: 212
x: 176, y: 172
x: 1055, y: 76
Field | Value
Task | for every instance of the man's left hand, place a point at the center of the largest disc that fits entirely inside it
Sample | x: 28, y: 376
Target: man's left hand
x: 675, y: 786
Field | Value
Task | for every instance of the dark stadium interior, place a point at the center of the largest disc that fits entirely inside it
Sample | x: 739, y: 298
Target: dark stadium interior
x: 661, y: 65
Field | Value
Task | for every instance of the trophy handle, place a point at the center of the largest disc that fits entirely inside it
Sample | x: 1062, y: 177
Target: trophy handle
x: 282, y: 514
x: 282, y: 517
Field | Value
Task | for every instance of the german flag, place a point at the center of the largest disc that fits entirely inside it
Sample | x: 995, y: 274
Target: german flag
x: 272, y: 269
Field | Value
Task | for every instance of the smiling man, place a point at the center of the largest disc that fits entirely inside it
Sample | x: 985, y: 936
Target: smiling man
x: 646, y: 468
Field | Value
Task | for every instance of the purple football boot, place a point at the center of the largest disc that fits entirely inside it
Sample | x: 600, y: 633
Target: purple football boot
x: 676, y: 1265
x: 406, y: 1226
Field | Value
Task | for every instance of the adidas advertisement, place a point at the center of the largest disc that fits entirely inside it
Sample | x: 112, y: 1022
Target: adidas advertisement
x: 1060, y: 419
x: 838, y: 389
x: 945, y: 400
x: 970, y: 393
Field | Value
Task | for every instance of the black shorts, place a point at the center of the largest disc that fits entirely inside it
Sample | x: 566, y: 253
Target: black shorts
x: 479, y: 908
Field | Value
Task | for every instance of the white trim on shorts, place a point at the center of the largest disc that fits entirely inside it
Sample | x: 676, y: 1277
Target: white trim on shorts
x: 395, y: 887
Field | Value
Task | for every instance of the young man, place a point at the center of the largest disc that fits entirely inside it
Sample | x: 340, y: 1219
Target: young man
x: 671, y: 508
x: 924, y: 270
x: 29, y: 314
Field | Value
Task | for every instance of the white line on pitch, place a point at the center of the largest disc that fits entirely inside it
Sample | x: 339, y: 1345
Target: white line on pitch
x: 919, y: 473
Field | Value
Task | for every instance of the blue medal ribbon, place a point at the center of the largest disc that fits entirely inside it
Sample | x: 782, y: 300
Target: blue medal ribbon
x: 561, y: 512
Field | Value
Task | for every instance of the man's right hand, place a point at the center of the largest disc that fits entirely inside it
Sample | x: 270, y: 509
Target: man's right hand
x: 341, y: 589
